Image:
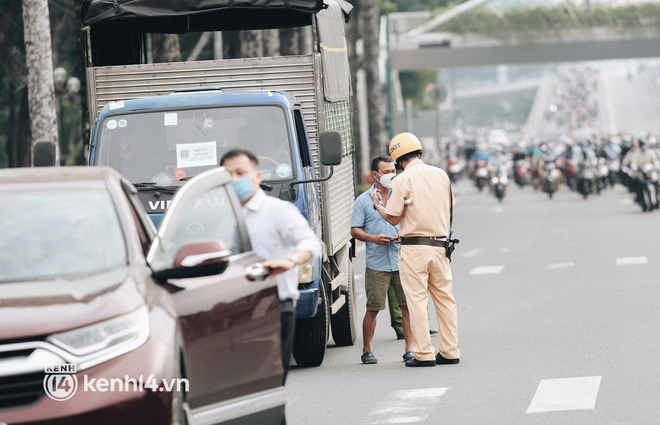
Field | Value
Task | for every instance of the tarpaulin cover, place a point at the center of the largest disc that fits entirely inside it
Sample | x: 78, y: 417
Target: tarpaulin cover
x: 170, y: 16
x: 336, y: 72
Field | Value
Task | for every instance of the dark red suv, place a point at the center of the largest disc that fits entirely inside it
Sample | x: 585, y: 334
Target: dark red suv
x: 104, y: 322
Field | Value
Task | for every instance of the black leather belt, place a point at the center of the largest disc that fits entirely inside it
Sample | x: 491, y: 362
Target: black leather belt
x: 438, y: 241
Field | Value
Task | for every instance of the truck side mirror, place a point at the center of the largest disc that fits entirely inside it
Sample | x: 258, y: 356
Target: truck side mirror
x: 330, y: 147
x: 329, y: 153
x: 44, y: 154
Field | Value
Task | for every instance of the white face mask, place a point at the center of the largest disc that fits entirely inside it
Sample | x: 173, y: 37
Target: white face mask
x: 386, y: 180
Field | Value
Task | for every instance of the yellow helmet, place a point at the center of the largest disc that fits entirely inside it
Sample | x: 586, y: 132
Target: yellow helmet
x: 404, y: 143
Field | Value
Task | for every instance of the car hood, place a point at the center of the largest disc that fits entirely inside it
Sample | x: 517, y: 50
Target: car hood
x: 32, y: 309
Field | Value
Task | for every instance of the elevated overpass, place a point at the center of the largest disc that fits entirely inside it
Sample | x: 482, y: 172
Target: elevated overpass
x: 416, y: 44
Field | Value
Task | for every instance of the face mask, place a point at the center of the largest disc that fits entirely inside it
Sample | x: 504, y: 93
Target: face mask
x: 386, y: 180
x: 243, y: 187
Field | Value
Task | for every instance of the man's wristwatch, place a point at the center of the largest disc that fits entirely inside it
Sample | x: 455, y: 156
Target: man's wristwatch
x: 294, y: 259
x: 378, y: 203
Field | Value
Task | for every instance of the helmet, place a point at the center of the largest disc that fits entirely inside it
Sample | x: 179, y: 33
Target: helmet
x: 404, y: 143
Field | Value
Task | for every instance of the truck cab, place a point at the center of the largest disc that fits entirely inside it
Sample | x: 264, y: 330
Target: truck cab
x: 159, y: 143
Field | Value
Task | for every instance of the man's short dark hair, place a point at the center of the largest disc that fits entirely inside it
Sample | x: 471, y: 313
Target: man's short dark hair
x: 377, y: 160
x: 238, y: 152
x: 409, y: 156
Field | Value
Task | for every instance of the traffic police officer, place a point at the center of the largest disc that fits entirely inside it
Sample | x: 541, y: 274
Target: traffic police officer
x: 420, y: 201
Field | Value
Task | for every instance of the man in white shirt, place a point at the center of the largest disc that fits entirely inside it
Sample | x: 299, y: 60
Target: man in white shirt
x: 278, y: 233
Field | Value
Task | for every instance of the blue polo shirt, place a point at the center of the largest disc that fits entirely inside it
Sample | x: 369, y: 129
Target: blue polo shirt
x: 380, y: 258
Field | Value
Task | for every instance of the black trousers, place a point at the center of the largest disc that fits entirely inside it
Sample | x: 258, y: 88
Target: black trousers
x: 288, y: 324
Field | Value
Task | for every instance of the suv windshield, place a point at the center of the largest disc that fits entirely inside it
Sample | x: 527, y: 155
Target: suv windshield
x: 166, y: 147
x: 58, y: 234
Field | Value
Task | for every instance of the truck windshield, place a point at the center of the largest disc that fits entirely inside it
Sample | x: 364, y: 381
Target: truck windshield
x: 166, y: 147
x: 50, y: 234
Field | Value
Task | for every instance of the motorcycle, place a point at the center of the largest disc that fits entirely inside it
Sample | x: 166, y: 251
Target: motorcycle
x: 480, y: 175
x: 602, y: 175
x: 521, y: 173
x: 500, y: 181
x: 585, y: 181
x: 551, y: 177
x: 614, y: 167
x: 647, y: 184
x: 628, y: 178
x: 454, y: 168
x: 570, y: 174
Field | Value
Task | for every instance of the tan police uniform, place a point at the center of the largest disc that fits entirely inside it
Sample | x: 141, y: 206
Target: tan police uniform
x: 425, y: 269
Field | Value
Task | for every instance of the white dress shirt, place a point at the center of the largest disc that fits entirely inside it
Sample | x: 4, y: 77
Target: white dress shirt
x: 277, y: 230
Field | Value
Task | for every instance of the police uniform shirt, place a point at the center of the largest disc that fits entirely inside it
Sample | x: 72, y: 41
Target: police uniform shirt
x: 427, y: 188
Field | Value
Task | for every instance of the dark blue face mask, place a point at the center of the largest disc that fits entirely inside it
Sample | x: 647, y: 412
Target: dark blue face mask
x: 243, y: 187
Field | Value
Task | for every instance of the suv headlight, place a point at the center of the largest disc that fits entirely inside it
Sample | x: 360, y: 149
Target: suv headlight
x: 100, y: 342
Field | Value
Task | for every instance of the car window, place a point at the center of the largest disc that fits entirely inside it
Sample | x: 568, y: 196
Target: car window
x: 208, y: 216
x: 58, y: 234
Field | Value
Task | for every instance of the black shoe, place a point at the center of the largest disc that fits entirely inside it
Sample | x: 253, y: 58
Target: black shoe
x: 441, y: 360
x: 420, y: 363
x: 433, y: 331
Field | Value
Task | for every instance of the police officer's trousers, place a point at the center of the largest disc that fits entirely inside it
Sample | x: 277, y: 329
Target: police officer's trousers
x: 425, y: 269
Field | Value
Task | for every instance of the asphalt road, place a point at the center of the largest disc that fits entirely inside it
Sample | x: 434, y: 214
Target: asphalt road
x: 559, y: 308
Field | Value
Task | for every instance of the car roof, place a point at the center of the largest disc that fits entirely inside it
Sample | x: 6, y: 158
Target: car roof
x: 62, y: 176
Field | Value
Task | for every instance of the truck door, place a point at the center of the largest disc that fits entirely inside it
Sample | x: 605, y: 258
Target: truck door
x: 230, y: 326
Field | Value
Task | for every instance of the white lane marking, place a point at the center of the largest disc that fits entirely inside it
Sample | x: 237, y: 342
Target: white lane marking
x: 505, y: 250
x: 405, y: 406
x: 627, y: 201
x: 626, y: 261
x: 360, y: 294
x: 360, y: 247
x: 487, y: 270
x: 553, y: 395
x: 556, y: 266
x: 358, y: 276
x: 498, y: 209
x: 471, y: 253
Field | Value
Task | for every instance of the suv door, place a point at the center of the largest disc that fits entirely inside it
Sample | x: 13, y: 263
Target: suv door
x: 230, y: 326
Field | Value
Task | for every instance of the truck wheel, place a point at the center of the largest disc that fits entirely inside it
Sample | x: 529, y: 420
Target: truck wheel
x: 344, y: 329
x: 310, y: 338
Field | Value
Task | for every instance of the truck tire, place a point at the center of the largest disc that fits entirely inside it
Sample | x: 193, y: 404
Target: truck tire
x: 310, y: 338
x: 344, y: 328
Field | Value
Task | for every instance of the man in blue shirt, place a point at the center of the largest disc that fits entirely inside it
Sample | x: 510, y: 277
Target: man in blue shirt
x: 382, y: 257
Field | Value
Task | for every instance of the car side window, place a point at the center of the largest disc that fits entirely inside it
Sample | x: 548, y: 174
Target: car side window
x: 209, y: 216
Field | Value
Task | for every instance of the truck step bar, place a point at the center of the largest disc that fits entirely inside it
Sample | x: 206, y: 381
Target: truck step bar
x: 339, y: 303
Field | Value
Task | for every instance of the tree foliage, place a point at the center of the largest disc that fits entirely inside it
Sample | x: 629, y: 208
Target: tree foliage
x: 536, y: 23
x: 415, y: 85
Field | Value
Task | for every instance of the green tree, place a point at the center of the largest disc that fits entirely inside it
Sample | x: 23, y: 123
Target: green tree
x: 415, y: 85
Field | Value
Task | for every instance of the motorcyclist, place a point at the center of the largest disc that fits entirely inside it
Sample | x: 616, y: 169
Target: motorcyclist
x: 585, y: 157
x: 498, y: 158
x: 639, y: 158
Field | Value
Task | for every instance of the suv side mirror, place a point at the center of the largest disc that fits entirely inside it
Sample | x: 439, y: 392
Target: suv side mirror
x: 195, y: 259
x: 330, y: 147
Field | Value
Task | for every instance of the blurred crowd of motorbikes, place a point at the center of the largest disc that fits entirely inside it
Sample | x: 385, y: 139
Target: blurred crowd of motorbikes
x: 586, y: 164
